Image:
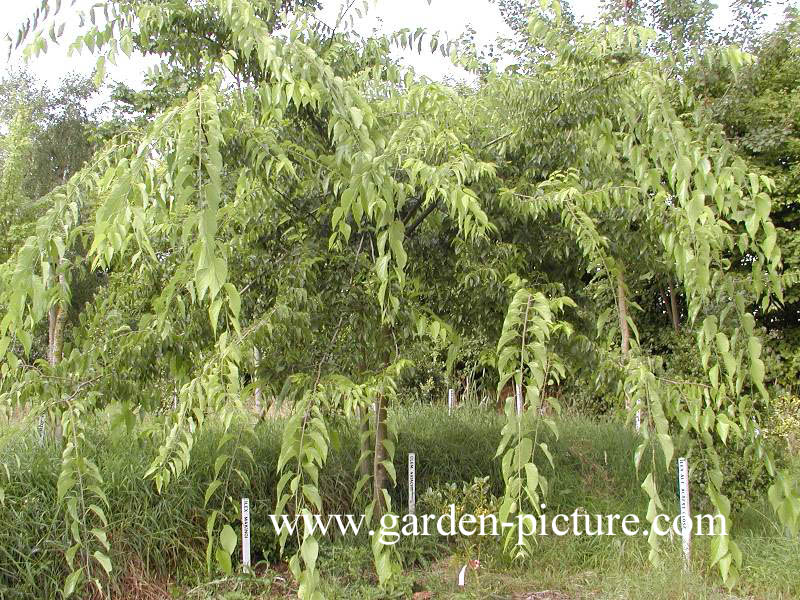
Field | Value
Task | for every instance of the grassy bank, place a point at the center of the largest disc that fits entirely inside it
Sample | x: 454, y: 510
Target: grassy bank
x: 158, y: 540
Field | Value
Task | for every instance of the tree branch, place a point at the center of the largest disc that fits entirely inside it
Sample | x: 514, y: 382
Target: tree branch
x: 412, y: 211
x: 420, y: 219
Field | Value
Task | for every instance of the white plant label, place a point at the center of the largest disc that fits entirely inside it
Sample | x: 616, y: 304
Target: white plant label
x: 638, y: 418
x: 683, y: 485
x: 246, y: 534
x: 41, y: 429
x: 518, y: 397
x: 451, y: 400
x: 462, y: 576
x: 412, y: 483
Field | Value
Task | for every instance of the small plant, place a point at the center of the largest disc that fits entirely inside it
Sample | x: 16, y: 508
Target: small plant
x: 744, y: 477
x: 265, y: 542
x: 425, y: 380
x: 475, y: 498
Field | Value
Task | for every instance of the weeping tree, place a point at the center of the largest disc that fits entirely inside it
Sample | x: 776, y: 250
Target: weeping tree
x: 282, y: 213
x: 650, y: 185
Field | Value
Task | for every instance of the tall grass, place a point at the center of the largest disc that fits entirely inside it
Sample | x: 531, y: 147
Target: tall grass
x: 158, y: 540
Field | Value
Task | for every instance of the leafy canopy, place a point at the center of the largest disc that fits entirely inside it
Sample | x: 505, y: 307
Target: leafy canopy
x: 288, y: 207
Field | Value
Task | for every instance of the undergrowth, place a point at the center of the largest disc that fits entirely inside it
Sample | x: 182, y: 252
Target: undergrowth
x: 158, y: 540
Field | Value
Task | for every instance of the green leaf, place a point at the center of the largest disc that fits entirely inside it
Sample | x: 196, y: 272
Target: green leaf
x: 763, y: 205
x: 396, y: 234
x: 227, y: 539
x: 219, y: 463
x: 213, y: 312
x: 531, y: 477
x: 234, y: 299
x: 695, y: 208
x: 713, y: 376
x: 390, y: 470
x: 104, y: 561
x: 357, y: 116
x: 649, y: 486
x: 101, y: 536
x: 65, y: 483
x: 757, y: 370
x: 312, y: 494
x: 549, y: 456
x: 71, y: 582
x: 70, y: 554
x: 723, y: 427
x: 309, y: 550
x: 666, y: 445
x: 212, y: 487
x: 719, y: 548
x: 100, y: 71
x: 524, y: 450
x: 223, y: 560
x: 637, y: 457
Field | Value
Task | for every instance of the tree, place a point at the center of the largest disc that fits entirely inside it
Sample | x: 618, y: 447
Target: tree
x: 50, y: 139
x: 756, y: 111
x: 685, y: 25
x: 16, y: 152
x: 288, y: 204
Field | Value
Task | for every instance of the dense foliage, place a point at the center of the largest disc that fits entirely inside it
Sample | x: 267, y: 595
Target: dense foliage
x: 288, y: 212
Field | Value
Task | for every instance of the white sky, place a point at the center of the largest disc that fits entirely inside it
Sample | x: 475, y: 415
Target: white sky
x: 449, y: 16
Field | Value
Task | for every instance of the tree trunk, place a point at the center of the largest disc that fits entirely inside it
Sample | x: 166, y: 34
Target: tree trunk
x: 622, y: 307
x: 257, y: 391
x: 57, y: 317
x: 673, y: 303
x: 51, y: 328
x: 379, y: 473
x: 365, y: 465
x: 57, y: 341
x: 365, y: 439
